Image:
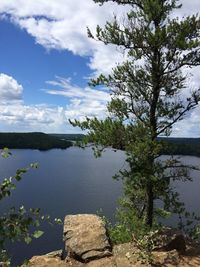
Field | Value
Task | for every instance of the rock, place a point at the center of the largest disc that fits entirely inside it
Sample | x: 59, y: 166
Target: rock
x: 48, y: 261
x: 168, y: 239
x: 104, y: 262
x: 85, y: 237
x: 166, y: 258
x: 57, y: 253
x: 124, y: 255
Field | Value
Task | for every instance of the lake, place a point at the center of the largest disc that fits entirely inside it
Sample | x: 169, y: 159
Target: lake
x: 69, y: 182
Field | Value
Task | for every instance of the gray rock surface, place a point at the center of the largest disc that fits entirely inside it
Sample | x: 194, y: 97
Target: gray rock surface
x: 85, y: 237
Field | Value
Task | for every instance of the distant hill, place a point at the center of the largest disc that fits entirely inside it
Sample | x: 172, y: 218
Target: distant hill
x: 70, y: 137
x: 174, y: 145
x: 33, y: 140
x: 181, y: 146
x: 42, y: 141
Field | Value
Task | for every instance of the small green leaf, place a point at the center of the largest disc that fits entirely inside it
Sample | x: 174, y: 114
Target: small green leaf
x: 37, y: 223
x: 18, y: 177
x: 6, y: 153
x: 28, y: 239
x: 58, y: 220
x: 38, y: 234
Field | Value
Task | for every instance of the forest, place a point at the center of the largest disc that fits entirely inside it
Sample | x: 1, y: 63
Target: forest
x: 181, y: 146
x: 42, y: 141
x: 33, y: 140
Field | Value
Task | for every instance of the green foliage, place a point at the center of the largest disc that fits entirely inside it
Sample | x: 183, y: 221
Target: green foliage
x: 119, y: 234
x: 146, y: 245
x: 4, y: 258
x: 15, y: 224
x: 5, y: 153
x: 37, y: 234
x: 146, y: 99
x: 127, y: 226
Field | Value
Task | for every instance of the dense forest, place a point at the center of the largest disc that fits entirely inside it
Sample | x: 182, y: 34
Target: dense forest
x: 33, y: 140
x: 181, y: 146
x: 172, y: 145
x: 69, y: 137
x: 42, y: 141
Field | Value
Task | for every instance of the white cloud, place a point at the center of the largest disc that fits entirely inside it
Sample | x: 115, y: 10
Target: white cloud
x: 61, y: 25
x: 105, y: 58
x: 67, y: 89
x: 30, y: 118
x: 10, y: 89
x: 190, y: 126
x: 17, y: 116
x: 82, y: 101
x: 21, y: 117
x: 79, y: 109
x: 188, y: 8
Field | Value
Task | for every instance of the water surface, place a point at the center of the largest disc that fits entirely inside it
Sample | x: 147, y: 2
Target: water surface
x: 67, y: 182
x: 72, y: 181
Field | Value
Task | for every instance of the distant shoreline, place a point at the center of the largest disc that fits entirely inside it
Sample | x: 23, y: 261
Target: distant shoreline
x: 35, y: 140
x: 42, y: 141
x: 181, y: 146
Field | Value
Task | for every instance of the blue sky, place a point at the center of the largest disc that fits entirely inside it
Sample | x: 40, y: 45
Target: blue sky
x: 47, y: 59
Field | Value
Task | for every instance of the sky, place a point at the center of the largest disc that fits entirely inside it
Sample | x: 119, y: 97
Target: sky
x: 46, y: 61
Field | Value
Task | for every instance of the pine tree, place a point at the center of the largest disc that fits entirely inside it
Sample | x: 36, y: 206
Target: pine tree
x: 146, y: 91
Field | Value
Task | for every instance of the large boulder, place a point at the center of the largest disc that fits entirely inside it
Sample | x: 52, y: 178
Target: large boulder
x: 85, y: 237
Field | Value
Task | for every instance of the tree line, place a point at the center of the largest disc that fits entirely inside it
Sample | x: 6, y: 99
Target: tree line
x: 33, y: 140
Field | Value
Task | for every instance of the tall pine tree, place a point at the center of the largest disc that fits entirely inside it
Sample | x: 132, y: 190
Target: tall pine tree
x: 147, y: 99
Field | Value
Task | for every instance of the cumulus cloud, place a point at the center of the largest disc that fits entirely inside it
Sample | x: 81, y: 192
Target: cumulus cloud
x: 21, y: 117
x: 10, y: 89
x: 79, y: 109
x: 62, y: 25
x: 17, y: 116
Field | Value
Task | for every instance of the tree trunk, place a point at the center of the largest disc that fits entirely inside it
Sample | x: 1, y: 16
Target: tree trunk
x: 149, y: 211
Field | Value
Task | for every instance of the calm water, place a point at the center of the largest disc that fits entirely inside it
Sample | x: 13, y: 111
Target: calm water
x: 72, y: 181
x: 67, y: 182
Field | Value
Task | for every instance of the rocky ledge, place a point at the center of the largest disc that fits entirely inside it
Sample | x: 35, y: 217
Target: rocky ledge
x: 87, y: 245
